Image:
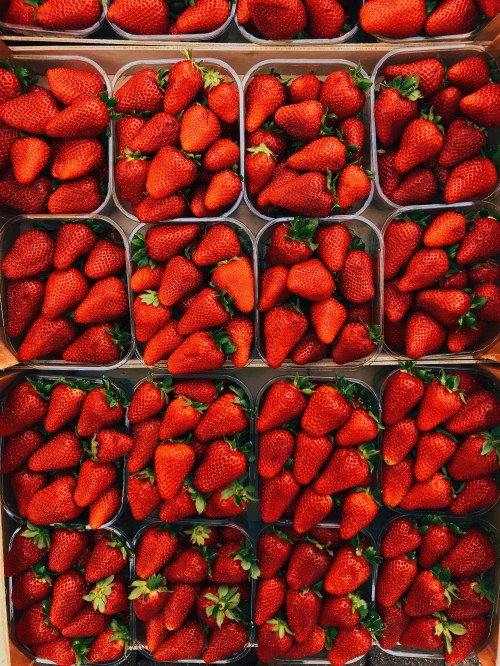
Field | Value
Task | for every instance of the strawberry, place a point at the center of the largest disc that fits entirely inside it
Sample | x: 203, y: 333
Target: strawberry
x: 480, y: 411
x: 488, y: 271
x: 143, y: 495
x: 305, y: 122
x: 181, y: 416
x: 464, y: 181
x: 29, y: 157
x: 31, y: 587
x: 452, y: 17
x: 66, y: 83
x: 156, y: 632
x: 60, y: 451
x: 66, y: 401
x: 156, y: 547
x: 433, y: 451
x: 276, y: 494
x: 273, y: 550
x: 310, y: 279
x: 332, y: 242
x: 282, y: 175
x: 394, y: 577
x: 395, y: 108
x: 105, y: 507
x: 76, y: 158
x: 324, y: 154
x: 302, y: 610
x: 276, y: 144
x: 308, y: 564
x: 93, y: 480
x: 27, y: 548
x: 353, y: 185
x: 82, y: 194
x: 110, y: 645
x: 275, y: 447
x: 429, y: 70
x: 30, y: 112
x: 32, y: 627
x: 345, y: 92
x: 149, y: 597
x: 274, y: 639
x: 326, y: 20
x: 402, y: 238
x: 402, y: 536
x: 54, y: 15
x: 103, y: 407
x: 441, y: 400
x: 8, y: 136
x: 157, y: 210
x: 25, y: 405
x: 358, y: 511
x: 481, y: 106
x: 396, y: 303
x: 424, y: 335
x: 184, y: 83
x: 241, y: 333
x: 476, y: 456
x: 24, y: 304
x: 475, y: 495
x: 426, y: 267
x: 86, y: 116
x: 67, y: 598
x: 421, y: 140
x: 225, y: 417
x: 438, y: 538
x: 126, y: 128
x: 200, y: 128
x: 109, y: 557
x: 469, y: 74
x: 66, y: 547
x: 209, y: 309
x: 271, y: 594
x: 424, y: 632
x: 179, y: 604
x: 73, y: 240
x: 435, y: 493
x: 106, y: 300
x: 189, y: 567
x: 222, y: 97
x: 162, y: 130
x: 291, y: 242
x: 284, y: 401
x: 173, y: 463
x: 222, y: 154
x: 309, y: 455
x: 235, y: 277
x: 475, y: 597
x: 150, y: 19
x: 308, y: 350
x: 445, y: 229
x: 142, y: 92
x: 150, y: 315
x: 223, y: 190
x: 356, y: 279
x: 327, y: 317
x: 100, y: 344
x: 106, y: 258
x: 327, y: 410
x: 479, y: 243
x: 463, y: 141
x: 12, y: 81
x: 19, y: 447
x: 180, y: 278
x: 474, y: 545
x: 392, y: 21
x: 146, y: 436
x: 86, y: 623
x: 395, y: 621
x: 148, y: 399
x: 110, y: 445
x: 389, y: 178
x: 430, y: 592
x: 311, y: 509
x: 351, y: 643
x: 356, y: 341
x: 446, y: 105
x: 223, y: 463
x: 225, y: 641
x: 396, y: 481
x: 345, y: 469
x: 342, y: 611
x: 463, y: 644
x: 284, y: 326
x: 169, y: 172
x: 184, y: 643
x: 264, y: 95
x: 398, y: 440
x: 31, y: 254
x: 260, y: 165
x: 64, y: 291
x: 54, y: 503
x: 279, y: 21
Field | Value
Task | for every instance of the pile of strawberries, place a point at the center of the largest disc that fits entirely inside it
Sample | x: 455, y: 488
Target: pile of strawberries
x: 400, y: 20
x: 316, y: 447
x: 441, y: 281
x: 193, y: 592
x: 304, y: 139
x: 67, y: 293
x: 159, y: 17
x: 70, y: 593
x: 183, y: 158
x: 294, y: 19
x: 191, y: 453
x: 441, y: 440
x: 432, y: 129
x: 57, y: 15
x: 433, y: 591
x: 63, y: 447
x: 312, y: 595
x: 195, y: 296
x: 317, y: 287
x: 53, y: 145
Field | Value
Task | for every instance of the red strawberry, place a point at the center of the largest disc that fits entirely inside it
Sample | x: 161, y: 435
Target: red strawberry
x: 421, y: 140
x: 109, y: 557
x: 106, y: 258
x: 276, y: 494
x: 142, y: 92
x: 452, y: 17
x: 101, y: 344
x: 169, y: 172
x: 29, y: 157
x: 283, y: 402
x: 225, y: 417
x: 76, y: 158
x: 223, y: 190
x: 463, y: 140
x: 327, y: 409
x: 418, y: 187
x: 424, y: 632
x: 476, y: 456
x: 60, y: 451
x: 222, y: 96
x: 438, y: 538
x: 396, y: 481
x: 425, y: 268
x: 481, y: 410
x: 274, y: 639
x: 473, y: 178
x: 469, y: 74
x: 185, y: 643
x: 152, y: 20
x: 475, y: 495
x: 66, y: 401
x: 241, y: 333
x: 424, y: 335
x: 476, y: 547
x: 435, y: 493
x: 392, y: 20
x: 356, y: 279
x: 481, y: 106
x: 273, y: 550
x: 200, y: 128
x: 356, y: 341
x: 398, y: 440
x: 31, y: 587
x: 433, y: 451
x: 333, y: 242
x: 109, y: 645
x: 446, y: 105
x: 185, y: 81
x: 395, y: 107
x: 31, y: 255
x: 327, y: 317
x: 271, y: 594
x: 24, y: 304
x: 25, y: 405
x: 350, y: 569
x: 402, y: 238
x: 30, y: 112
x: 445, y: 229
x: 345, y: 469
x: 463, y: 644
x: 222, y: 154
x: 179, y: 604
x: 82, y: 194
x: 263, y: 96
x: 68, y: 83
x: 479, y: 244
x: 105, y: 507
x: 358, y: 511
x: 32, y: 628
x: 172, y: 464
x: 402, y: 536
x: 441, y: 400
x: 474, y: 599
x: 430, y: 592
x: 430, y: 72
x: 103, y: 407
x: 67, y: 598
x: 19, y: 447
x: 284, y: 326
x: 394, y: 577
x: 396, y: 303
x: 345, y: 92
x: 225, y: 641
x: 309, y: 455
x: 27, y: 548
x: 64, y: 291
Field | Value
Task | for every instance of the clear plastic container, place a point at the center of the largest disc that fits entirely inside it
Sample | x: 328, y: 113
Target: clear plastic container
x: 367, y: 593
x: 369, y: 393
x: 382, y: 382
x: 7, y: 497
x: 44, y: 33
x: 416, y: 653
x: 250, y: 435
x: 204, y: 223
x: 126, y: 72
x: 308, y: 41
x: 493, y: 327
x: 448, y: 55
x: 15, y: 614
x: 19, y: 225
x: 137, y: 625
x: 292, y: 68
x: 39, y: 64
x: 374, y: 245
x: 194, y: 37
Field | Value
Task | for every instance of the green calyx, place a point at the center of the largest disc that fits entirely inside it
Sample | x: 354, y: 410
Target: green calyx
x: 198, y: 406
x: 434, y: 119
x: 146, y: 475
x: 485, y: 587
x: 81, y: 647
x: 410, y: 367
x: 224, y: 604
x: 77, y: 384
x: 98, y: 596
x: 358, y: 604
x: 247, y: 559
x: 450, y: 382
x: 280, y: 627
x: 372, y: 622
x: 359, y: 80
x: 165, y: 385
x: 407, y: 87
x: 39, y: 535
x: 444, y: 576
x: 301, y: 383
x: 26, y: 79
x: 120, y: 633
x: 223, y: 342
x: 492, y: 442
x: 122, y: 340
x: 199, y: 535
x: 326, y: 130
x: 131, y: 156
x: 433, y: 519
x: 188, y: 55
x: 447, y: 629
x: 240, y: 493
x: 346, y: 388
x: 114, y: 395
x: 262, y: 149
x: 119, y: 545
x: 212, y: 78
x: 281, y: 535
x: 41, y: 573
x: 41, y: 386
x: 302, y: 229
x: 143, y: 588
x: 139, y: 252
x: 370, y: 453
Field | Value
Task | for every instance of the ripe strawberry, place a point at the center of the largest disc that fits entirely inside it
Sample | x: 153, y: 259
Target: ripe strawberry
x: 332, y: 245
x: 282, y: 20
x: 185, y: 643
x: 55, y: 15
x: 328, y: 317
x: 430, y: 72
x: 284, y: 326
x: 433, y: 451
x: 473, y: 178
x: 100, y: 344
x: 150, y: 315
x: 103, y: 407
x: 398, y: 440
x: 441, y: 400
x: 222, y: 154
x: 109, y: 445
x: 480, y: 242
x: 106, y: 258
x: 93, y: 480
x: 463, y: 141
x: 82, y: 194
x: 476, y: 547
x: 446, y: 105
x: 273, y: 550
x: 325, y: 20
x: 395, y: 108
x: 181, y: 416
x: 394, y: 577
x: 143, y: 495
x: 54, y: 503
x: 149, y: 597
x: 275, y: 448
x: 31, y: 587
x: 32, y: 627
x: 310, y: 279
x: 169, y: 172
x: 396, y: 481
x: 309, y: 455
x: 274, y: 639
x: 173, y: 463
x: 283, y: 403
x: 327, y: 409
x: 487, y: 271
x: 311, y: 509
x: 86, y: 623
x: 241, y: 333
x: 86, y: 116
x: 66, y: 401
x: 421, y: 140
x: 302, y: 610
x: 76, y: 158
x: 469, y: 74
x: 28, y: 547
x: 435, y: 493
x: 476, y: 456
x: 64, y: 291
x: 142, y: 92
x: 264, y: 95
x: 396, y: 303
x: 73, y: 240
x: 24, y: 304
x: 18, y: 448
x: 225, y: 641
x: 395, y: 621
x: 109, y: 557
x: 345, y: 469
x: 189, y: 567
x: 235, y: 277
x: 401, y: 537
x: 424, y: 335
x: 30, y: 112
x: 463, y: 644
x: 452, y: 17
x: 356, y: 280
x: 425, y: 268
x: 402, y: 238
x: 184, y: 83
x: 110, y: 645
x: 475, y: 597
x: 305, y: 122
x: 481, y: 106
x: 25, y: 405
x: 105, y: 507
x: 67, y: 598
x: 345, y: 92
x: 29, y: 156
x: 358, y: 511
x: 356, y: 341
x: 150, y: 19
x: 393, y: 20
x: 66, y: 547
x: 179, y: 604
x: 222, y: 96
x: 156, y: 547
x: 430, y: 592
x: 475, y: 495
x: 480, y: 411
x: 31, y: 255
x: 276, y: 494
x: 271, y: 594
x: 60, y: 451
x: 67, y: 83
x: 353, y: 185
x: 223, y: 190
x: 200, y: 128
x: 106, y: 300
x: 438, y: 538
x: 309, y: 563
x: 424, y: 632
x: 445, y: 229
